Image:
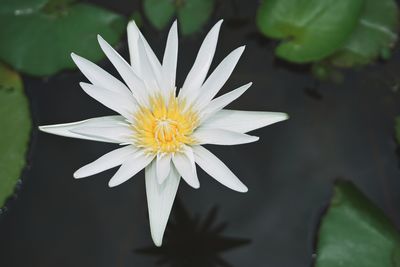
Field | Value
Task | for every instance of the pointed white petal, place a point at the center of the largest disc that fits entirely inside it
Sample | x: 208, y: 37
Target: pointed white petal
x: 125, y: 70
x: 243, y: 121
x: 148, y: 75
x: 218, y: 78
x: 199, y: 71
x: 105, y: 162
x: 184, y: 163
x: 125, y: 106
x: 100, y: 77
x: 217, y: 169
x: 155, y: 65
x: 133, y: 37
x: 160, y: 198
x: 170, y: 59
x: 220, y: 102
x: 222, y: 137
x: 121, y: 132
x: 134, y: 164
x: 163, y: 163
x: 66, y: 129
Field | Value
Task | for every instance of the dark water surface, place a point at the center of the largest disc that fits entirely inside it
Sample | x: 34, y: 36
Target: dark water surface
x: 335, y: 130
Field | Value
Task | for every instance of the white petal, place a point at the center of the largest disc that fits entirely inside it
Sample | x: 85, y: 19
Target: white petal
x: 125, y: 106
x: 170, y: 58
x: 147, y: 75
x: 155, y: 65
x: 160, y: 198
x: 220, y: 102
x: 105, y: 162
x: 217, y: 169
x: 222, y: 137
x: 218, y: 78
x: 100, y: 77
x: 121, y: 132
x: 134, y: 164
x: 163, y: 167
x: 243, y: 121
x: 66, y: 129
x: 200, y: 68
x: 184, y: 163
x: 133, y: 37
x: 125, y: 70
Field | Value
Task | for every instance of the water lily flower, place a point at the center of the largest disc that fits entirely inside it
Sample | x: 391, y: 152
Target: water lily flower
x: 159, y: 129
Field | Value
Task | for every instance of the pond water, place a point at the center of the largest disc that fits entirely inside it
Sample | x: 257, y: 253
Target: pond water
x: 335, y: 131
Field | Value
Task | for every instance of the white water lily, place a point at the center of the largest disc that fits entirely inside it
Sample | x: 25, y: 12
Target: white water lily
x: 159, y: 130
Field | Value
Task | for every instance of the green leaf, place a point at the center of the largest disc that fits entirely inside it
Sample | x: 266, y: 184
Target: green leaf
x: 15, y: 130
x: 355, y: 233
x: 397, y: 129
x: 40, y: 42
x: 137, y: 17
x: 310, y: 29
x: 374, y: 36
x: 159, y: 12
x: 20, y: 7
x: 193, y: 14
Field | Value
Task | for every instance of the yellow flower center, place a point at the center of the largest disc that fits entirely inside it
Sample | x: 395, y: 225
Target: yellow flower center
x: 164, y: 126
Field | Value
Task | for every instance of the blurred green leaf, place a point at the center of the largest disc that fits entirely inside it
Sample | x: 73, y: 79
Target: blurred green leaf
x: 40, y: 42
x: 374, y: 36
x: 159, y: 12
x: 137, y: 17
x: 355, y: 233
x: 397, y: 129
x: 20, y: 7
x: 192, y: 14
x: 15, y: 130
x: 310, y: 29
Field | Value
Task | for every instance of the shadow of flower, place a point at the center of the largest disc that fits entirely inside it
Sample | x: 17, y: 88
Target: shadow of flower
x: 192, y: 242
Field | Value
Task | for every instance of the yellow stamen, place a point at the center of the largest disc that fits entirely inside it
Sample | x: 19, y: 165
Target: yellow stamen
x: 164, y: 126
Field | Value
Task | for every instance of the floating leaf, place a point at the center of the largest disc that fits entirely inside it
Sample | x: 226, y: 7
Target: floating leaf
x: 137, y: 17
x: 15, y: 129
x: 374, y: 36
x: 355, y: 233
x: 20, y: 7
x: 159, y: 12
x: 192, y: 14
x: 39, y: 42
x: 310, y: 29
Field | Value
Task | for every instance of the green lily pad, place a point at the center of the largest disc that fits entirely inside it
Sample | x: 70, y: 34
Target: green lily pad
x: 15, y: 124
x: 159, y: 12
x: 20, y: 7
x: 374, y: 36
x: 356, y: 233
x: 192, y: 14
x: 137, y: 17
x: 310, y: 30
x: 39, y: 41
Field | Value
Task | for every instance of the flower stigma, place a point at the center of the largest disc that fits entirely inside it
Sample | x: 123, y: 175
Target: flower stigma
x: 164, y: 126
